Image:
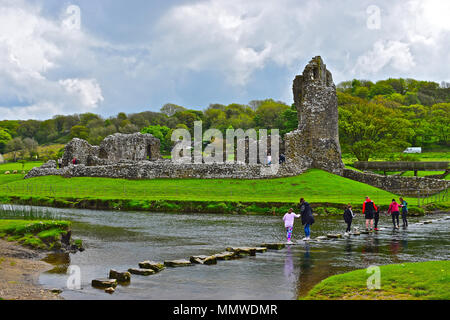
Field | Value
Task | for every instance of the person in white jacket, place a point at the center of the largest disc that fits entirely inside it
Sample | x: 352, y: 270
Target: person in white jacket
x: 289, y: 224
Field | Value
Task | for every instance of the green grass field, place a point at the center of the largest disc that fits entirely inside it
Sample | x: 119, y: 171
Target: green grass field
x: 408, y: 281
x: 314, y: 186
x: 11, y: 166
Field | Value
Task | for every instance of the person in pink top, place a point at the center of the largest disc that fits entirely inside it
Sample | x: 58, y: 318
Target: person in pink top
x: 289, y: 223
x: 395, y: 213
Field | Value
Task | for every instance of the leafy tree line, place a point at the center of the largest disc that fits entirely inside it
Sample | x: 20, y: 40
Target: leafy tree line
x: 375, y: 118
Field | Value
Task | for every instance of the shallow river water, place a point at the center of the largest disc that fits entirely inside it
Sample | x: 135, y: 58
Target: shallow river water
x: 120, y: 240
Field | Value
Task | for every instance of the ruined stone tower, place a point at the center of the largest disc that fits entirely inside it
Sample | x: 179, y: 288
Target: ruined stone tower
x: 316, y: 142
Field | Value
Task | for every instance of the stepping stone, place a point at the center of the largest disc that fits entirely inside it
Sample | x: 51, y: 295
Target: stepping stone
x: 226, y: 256
x: 177, y: 263
x: 322, y: 238
x: 120, y: 276
x: 334, y: 236
x: 110, y: 290
x: 104, y: 283
x: 243, y: 251
x: 208, y: 260
x: 261, y: 249
x: 274, y: 246
x: 365, y: 232
x: 356, y: 233
x: 428, y: 222
x: 155, y: 266
x: 142, y: 272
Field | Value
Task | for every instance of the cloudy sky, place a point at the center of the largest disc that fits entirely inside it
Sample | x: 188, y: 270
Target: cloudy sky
x: 108, y: 56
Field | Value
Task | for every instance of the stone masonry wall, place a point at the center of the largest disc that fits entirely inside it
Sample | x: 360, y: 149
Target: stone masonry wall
x: 316, y: 142
x: 408, y: 186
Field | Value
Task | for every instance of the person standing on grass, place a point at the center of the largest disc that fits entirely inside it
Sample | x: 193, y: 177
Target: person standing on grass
x: 368, y: 210
x: 289, y: 224
x: 404, y: 206
x: 307, y: 217
x: 393, y: 210
x: 348, y: 218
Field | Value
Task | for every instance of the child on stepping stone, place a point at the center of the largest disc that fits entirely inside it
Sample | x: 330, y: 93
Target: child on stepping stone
x: 289, y: 224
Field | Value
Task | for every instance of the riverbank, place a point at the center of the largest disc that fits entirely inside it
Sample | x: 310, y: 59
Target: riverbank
x: 20, y: 268
x: 407, y: 281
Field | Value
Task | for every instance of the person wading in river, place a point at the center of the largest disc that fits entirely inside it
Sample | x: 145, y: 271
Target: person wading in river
x: 289, y: 224
x: 368, y: 210
x: 307, y: 217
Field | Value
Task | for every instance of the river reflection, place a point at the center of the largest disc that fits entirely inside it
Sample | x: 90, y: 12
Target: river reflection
x: 119, y: 240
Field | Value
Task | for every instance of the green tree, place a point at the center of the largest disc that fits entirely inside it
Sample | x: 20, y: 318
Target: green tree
x: 368, y: 129
x: 15, y: 145
x: 5, y: 137
x: 160, y: 132
x: 80, y: 132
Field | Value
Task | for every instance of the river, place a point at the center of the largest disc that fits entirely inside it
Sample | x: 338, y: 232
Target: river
x: 119, y: 240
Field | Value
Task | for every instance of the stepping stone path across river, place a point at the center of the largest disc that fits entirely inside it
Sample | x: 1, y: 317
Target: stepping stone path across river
x: 104, y: 283
x: 177, y: 263
x: 274, y: 246
x: 226, y: 256
x: 155, y: 266
x: 207, y: 260
x: 142, y: 272
x: 120, y: 276
x: 243, y: 251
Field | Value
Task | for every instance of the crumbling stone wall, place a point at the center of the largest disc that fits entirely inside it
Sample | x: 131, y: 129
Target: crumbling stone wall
x: 113, y: 149
x: 81, y: 150
x: 133, y: 147
x: 407, y: 186
x: 165, y: 169
x: 316, y: 142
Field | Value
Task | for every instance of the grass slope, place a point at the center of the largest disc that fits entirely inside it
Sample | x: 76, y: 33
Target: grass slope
x: 36, y: 234
x: 409, y: 281
x: 314, y: 186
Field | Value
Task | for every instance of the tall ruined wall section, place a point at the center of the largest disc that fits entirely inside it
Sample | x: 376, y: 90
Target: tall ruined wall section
x: 315, y: 144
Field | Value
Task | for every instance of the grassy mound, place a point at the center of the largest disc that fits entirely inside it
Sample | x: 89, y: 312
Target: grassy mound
x: 45, y: 235
x: 314, y: 185
x: 407, y: 281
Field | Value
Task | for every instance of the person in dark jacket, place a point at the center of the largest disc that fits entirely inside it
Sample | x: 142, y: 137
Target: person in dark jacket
x: 369, y: 210
x: 404, y: 206
x: 376, y: 218
x: 348, y: 217
x: 307, y: 217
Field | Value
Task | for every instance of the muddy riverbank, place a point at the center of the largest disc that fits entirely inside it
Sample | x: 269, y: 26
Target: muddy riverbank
x: 20, y: 269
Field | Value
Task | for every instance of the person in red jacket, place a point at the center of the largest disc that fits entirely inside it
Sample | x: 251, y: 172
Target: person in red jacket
x: 394, y: 211
x: 369, y: 210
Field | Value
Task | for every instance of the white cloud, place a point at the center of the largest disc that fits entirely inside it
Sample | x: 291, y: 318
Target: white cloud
x: 233, y: 37
x: 31, y: 47
x: 394, y: 54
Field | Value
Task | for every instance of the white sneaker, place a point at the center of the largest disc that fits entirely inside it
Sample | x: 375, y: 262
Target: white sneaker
x: 306, y: 239
x: 289, y: 242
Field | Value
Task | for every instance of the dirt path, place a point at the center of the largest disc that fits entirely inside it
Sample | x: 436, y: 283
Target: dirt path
x: 19, y: 273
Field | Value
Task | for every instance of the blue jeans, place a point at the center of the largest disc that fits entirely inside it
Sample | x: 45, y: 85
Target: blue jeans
x: 307, y: 230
